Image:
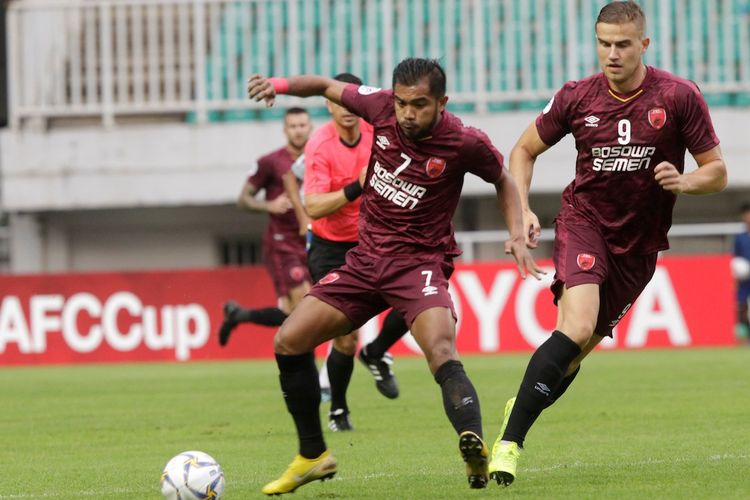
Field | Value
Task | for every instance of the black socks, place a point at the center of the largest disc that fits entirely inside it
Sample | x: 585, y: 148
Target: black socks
x: 299, y: 383
x: 541, y: 381
x: 394, y: 327
x: 562, y: 387
x: 340, y: 367
x: 270, y: 316
x: 459, y: 397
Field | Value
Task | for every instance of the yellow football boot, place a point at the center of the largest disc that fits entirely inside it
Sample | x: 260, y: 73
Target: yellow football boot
x: 505, y: 454
x: 475, y: 453
x: 302, y: 471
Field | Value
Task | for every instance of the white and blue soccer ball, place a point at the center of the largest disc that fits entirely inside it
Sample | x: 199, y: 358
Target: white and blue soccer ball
x: 192, y: 475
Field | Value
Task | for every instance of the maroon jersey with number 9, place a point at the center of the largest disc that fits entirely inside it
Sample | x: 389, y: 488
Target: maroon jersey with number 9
x: 620, y: 139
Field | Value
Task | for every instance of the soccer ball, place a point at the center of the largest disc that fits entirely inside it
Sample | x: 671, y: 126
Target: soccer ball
x: 192, y: 475
x: 740, y: 268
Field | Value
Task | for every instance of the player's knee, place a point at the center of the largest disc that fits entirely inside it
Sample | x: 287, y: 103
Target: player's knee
x: 440, y: 352
x: 346, y: 344
x: 579, y: 330
x: 285, y: 343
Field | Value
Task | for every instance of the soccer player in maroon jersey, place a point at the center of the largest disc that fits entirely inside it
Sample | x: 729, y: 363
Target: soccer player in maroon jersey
x: 632, y: 124
x: 419, y: 157
x: 283, y: 242
x: 336, y: 156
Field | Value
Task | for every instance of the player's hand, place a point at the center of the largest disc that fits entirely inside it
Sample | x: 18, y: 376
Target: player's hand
x: 524, y: 261
x: 532, y: 229
x: 279, y: 205
x: 669, y: 178
x: 260, y: 89
x: 303, y: 226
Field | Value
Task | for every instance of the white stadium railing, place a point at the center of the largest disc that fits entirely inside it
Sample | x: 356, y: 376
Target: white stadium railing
x: 468, y: 240
x: 110, y: 58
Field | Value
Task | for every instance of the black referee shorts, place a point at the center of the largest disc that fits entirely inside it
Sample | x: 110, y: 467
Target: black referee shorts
x: 326, y: 255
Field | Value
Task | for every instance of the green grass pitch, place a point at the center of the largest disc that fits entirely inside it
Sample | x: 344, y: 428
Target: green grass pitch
x: 643, y: 424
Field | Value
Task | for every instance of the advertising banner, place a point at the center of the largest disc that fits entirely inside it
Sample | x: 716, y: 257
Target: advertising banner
x: 175, y: 315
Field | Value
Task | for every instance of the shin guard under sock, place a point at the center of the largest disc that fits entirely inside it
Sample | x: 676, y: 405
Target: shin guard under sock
x: 543, y: 375
x: 299, y: 383
x: 340, y: 367
x: 460, y: 400
x: 394, y: 327
x: 270, y: 316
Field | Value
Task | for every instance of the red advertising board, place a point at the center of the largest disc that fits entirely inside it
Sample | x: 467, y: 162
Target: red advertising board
x: 106, y: 317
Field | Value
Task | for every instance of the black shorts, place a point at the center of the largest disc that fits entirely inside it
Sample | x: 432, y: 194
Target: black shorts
x: 326, y: 255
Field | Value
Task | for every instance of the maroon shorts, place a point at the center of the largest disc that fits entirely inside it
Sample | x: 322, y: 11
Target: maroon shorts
x: 286, y: 262
x: 581, y: 257
x: 367, y: 285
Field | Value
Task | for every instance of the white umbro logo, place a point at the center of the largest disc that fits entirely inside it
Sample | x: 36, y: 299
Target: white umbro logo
x: 382, y: 142
x: 591, y: 121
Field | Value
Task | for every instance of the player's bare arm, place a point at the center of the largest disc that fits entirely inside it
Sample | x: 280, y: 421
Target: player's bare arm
x: 248, y: 201
x: 260, y: 88
x: 710, y: 176
x: 319, y: 205
x: 509, y: 202
x: 291, y: 189
x: 522, y: 159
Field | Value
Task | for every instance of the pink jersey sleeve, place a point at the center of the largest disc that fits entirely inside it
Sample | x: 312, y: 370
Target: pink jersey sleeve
x: 695, y: 124
x: 552, y: 124
x: 317, y: 170
x: 369, y: 103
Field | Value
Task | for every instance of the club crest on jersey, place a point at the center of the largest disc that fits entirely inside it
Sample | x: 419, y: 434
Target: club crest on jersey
x: 297, y: 273
x: 657, y: 117
x: 435, y: 167
x: 585, y: 261
x: 329, y: 278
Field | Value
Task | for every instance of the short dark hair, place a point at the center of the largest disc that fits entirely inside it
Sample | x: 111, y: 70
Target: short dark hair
x: 745, y: 207
x: 621, y: 13
x: 295, y: 110
x: 411, y: 70
x: 348, y: 78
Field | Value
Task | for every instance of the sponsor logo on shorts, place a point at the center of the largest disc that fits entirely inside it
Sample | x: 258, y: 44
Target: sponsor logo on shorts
x: 614, y: 322
x: 657, y: 117
x: 585, y: 261
x: 429, y: 290
x: 297, y: 273
x: 329, y: 278
x: 435, y: 167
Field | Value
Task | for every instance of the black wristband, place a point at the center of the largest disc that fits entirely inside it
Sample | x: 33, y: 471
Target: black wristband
x: 352, y: 190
